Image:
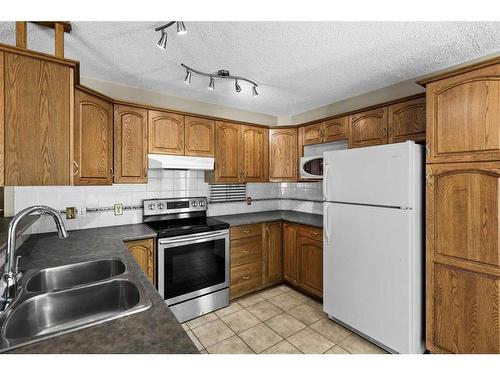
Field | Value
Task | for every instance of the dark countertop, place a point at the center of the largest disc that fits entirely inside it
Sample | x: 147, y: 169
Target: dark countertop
x: 155, y: 330
x: 314, y: 220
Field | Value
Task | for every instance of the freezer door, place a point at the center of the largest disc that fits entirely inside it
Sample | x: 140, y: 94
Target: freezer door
x: 368, y: 274
x: 379, y: 175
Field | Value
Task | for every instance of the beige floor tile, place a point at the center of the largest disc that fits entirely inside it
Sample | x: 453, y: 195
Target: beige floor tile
x: 300, y: 296
x: 314, y: 303
x: 212, y: 333
x: 270, y: 293
x: 284, y: 288
x: 306, y: 314
x: 331, y: 330
x: 337, y: 350
x: 264, y: 310
x: 285, y: 301
x: 232, y: 308
x: 240, y: 321
x: 195, y: 340
x: 283, y: 347
x: 232, y: 345
x: 285, y: 325
x: 204, y: 319
x: 310, y: 342
x: 203, y: 351
x: 357, y: 345
x: 260, y: 337
x: 185, y: 326
x: 250, y: 300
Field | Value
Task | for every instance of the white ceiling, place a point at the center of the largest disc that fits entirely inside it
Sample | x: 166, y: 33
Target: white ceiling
x: 299, y: 65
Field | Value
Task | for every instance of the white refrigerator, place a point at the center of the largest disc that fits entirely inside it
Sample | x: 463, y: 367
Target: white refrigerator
x: 373, y: 272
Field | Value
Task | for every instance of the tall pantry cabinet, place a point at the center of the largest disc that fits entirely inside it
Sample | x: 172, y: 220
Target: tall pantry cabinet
x: 463, y: 209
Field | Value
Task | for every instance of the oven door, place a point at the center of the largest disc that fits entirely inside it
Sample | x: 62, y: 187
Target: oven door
x: 193, y: 265
x: 311, y: 167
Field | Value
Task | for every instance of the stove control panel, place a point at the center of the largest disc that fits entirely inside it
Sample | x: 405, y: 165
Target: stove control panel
x: 173, y: 205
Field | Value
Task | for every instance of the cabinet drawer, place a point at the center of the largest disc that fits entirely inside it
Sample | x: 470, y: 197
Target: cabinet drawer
x: 245, y: 231
x: 246, y: 250
x: 312, y: 233
x: 245, y: 278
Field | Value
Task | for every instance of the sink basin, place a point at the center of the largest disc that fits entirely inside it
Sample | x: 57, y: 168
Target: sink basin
x: 71, y: 275
x: 66, y: 310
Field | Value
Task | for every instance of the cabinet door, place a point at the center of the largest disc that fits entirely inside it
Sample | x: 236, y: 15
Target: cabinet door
x: 310, y: 254
x: 290, y: 257
x: 144, y: 253
x: 463, y: 116
x: 199, y: 136
x: 368, y: 128
x: 336, y: 129
x: 254, y: 154
x: 273, y: 256
x: 283, y: 154
x: 227, y: 152
x: 38, y: 100
x: 165, y: 133
x: 407, y: 121
x: 93, y: 140
x: 313, y: 134
x: 131, y: 144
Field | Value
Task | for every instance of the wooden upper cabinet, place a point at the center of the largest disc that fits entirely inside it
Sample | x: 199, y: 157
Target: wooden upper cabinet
x: 368, y: 128
x: 37, y: 102
x: 463, y: 116
x: 165, y: 133
x: 199, y: 136
x: 336, y: 129
x: 254, y: 154
x: 273, y: 257
x: 310, y: 264
x: 312, y: 134
x: 227, y: 152
x: 131, y: 144
x: 93, y: 140
x: 144, y: 254
x: 283, y: 154
x: 407, y: 121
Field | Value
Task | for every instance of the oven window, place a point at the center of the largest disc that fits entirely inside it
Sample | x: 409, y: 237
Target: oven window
x: 193, y: 267
x: 314, y: 167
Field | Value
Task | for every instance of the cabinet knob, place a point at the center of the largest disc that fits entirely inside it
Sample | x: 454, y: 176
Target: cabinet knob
x: 246, y: 277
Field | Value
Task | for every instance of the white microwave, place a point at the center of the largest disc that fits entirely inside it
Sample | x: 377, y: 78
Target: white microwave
x: 311, y: 167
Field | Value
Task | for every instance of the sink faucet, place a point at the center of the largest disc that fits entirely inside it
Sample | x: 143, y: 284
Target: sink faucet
x: 11, y: 274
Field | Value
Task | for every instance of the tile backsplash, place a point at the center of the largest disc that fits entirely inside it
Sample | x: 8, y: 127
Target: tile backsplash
x: 304, y: 197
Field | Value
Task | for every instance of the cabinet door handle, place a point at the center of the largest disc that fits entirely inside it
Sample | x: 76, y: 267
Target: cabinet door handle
x: 76, y: 169
x: 245, y: 252
x: 146, y: 172
x: 428, y: 179
x: 428, y: 148
x: 246, y: 277
x: 112, y: 172
x: 246, y: 231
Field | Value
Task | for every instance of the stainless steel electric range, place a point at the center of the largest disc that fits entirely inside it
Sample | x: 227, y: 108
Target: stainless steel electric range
x: 193, y: 255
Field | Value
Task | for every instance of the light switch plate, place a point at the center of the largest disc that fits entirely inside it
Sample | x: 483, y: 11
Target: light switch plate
x: 118, y: 209
x: 71, y: 213
x: 249, y: 201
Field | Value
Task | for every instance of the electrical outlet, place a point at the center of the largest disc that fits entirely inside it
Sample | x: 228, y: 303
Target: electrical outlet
x: 118, y: 209
x: 249, y: 201
x: 71, y: 213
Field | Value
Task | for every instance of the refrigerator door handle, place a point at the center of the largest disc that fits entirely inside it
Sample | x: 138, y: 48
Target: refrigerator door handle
x: 327, y: 229
x: 325, y: 179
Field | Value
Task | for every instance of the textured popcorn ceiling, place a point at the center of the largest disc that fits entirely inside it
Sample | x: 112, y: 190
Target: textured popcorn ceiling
x: 299, y: 65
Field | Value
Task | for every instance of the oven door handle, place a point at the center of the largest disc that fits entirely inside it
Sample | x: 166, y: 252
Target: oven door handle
x: 193, y: 237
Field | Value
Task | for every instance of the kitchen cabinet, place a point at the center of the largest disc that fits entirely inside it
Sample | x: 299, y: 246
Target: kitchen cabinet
x: 463, y: 257
x: 246, y: 259
x: 199, y: 136
x: 407, y: 121
x: 165, y: 133
x: 241, y: 154
x: 144, y: 253
x: 93, y: 140
x: 463, y: 113
x: 290, y: 258
x: 326, y: 131
x: 273, y: 252
x: 368, y: 128
x: 283, y: 154
x: 36, y: 118
x: 130, y: 144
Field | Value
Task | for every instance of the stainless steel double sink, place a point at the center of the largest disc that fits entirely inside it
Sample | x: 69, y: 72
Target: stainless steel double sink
x: 57, y: 300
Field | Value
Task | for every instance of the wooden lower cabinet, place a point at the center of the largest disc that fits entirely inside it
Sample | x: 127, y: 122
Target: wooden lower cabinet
x: 245, y: 278
x: 290, y: 269
x: 144, y: 253
x: 273, y: 252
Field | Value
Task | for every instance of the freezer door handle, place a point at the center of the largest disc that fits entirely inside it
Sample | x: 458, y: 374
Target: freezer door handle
x: 325, y: 178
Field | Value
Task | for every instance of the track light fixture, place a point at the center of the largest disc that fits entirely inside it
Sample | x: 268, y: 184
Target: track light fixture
x: 181, y: 29
x: 222, y: 74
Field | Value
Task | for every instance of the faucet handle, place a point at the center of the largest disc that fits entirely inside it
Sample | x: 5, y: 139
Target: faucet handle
x: 18, y: 259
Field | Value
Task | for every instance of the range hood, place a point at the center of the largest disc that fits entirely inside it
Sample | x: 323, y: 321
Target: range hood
x: 158, y: 161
